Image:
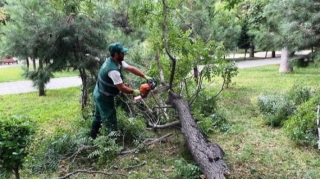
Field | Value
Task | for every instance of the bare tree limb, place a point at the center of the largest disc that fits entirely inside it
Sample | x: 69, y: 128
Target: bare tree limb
x: 162, y: 80
x: 91, y: 172
x: 166, y: 46
x: 167, y: 125
x: 135, y: 166
x: 146, y: 144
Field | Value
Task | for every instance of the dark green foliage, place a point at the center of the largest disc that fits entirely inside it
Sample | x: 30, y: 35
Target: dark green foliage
x: 39, y: 77
x: 205, y: 125
x: 219, y: 123
x: 187, y: 170
x: 132, y: 128
x: 213, y: 123
x: 275, y: 109
x: 302, y: 127
x: 106, y: 147
x: 205, y: 104
x: 244, y: 39
x: 301, y: 61
x: 16, y: 134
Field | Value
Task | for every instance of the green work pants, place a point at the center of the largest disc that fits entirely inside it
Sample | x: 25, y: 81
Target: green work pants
x: 105, y: 114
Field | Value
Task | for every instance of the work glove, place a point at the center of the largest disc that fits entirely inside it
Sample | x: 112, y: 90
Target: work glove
x: 136, y: 92
x: 147, y: 77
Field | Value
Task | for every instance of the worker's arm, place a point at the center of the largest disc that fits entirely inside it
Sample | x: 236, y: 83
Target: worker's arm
x: 135, y: 71
x: 124, y: 89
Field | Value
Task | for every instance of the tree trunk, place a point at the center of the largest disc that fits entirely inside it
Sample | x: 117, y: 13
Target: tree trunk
x: 245, y: 53
x: 16, y: 173
x: 84, y: 96
x: 41, y: 83
x: 209, y: 156
x: 251, y: 50
x: 34, y: 64
x: 273, y: 55
x: 285, y: 65
x: 27, y: 61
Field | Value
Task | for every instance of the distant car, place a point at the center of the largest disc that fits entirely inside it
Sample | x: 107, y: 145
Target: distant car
x: 9, y: 61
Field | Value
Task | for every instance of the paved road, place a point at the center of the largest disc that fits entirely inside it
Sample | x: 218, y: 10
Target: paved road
x: 56, y: 83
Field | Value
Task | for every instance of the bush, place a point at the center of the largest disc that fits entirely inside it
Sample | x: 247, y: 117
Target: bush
x: 298, y: 94
x: 213, y: 123
x: 187, y: 170
x: 301, y: 62
x: 205, y: 104
x: 278, y: 108
x: 16, y: 133
x: 275, y: 109
x: 302, y: 127
x: 229, y: 71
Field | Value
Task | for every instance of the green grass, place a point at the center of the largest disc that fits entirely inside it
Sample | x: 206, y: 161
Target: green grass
x: 252, y: 149
x: 14, y: 73
x: 57, y: 109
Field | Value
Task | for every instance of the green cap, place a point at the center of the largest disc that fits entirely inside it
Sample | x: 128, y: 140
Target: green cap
x: 117, y: 48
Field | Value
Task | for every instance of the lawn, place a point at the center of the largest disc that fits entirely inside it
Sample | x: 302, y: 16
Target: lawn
x: 253, y: 150
x: 14, y: 73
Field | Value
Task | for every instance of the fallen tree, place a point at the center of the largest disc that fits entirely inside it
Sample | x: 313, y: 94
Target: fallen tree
x: 208, y: 155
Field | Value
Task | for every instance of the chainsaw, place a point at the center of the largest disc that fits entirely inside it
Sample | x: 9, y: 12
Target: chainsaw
x: 146, y: 88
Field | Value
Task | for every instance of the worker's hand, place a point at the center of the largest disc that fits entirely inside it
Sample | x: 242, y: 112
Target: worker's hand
x: 147, y: 77
x: 136, y: 92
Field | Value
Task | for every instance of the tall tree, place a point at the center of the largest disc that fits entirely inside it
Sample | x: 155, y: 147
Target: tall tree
x: 244, y: 38
x: 180, y: 55
x: 26, y: 35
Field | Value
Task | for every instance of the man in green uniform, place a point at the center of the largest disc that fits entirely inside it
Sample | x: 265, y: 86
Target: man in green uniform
x: 109, y: 84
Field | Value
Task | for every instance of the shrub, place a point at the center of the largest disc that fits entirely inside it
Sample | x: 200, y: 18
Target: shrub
x: 302, y: 127
x: 213, y: 123
x: 16, y: 133
x: 298, y: 94
x: 229, y: 71
x: 300, y: 62
x: 187, y: 170
x: 205, y: 103
x: 275, y: 109
x: 205, y: 125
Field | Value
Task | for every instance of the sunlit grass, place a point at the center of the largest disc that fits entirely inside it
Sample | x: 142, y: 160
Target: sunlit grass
x: 57, y: 109
x: 9, y: 74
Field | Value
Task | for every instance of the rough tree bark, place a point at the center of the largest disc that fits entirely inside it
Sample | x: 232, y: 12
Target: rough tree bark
x: 285, y: 65
x: 208, y: 155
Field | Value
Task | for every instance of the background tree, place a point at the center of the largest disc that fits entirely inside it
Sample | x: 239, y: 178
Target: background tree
x: 276, y: 22
x: 244, y: 38
x: 26, y: 35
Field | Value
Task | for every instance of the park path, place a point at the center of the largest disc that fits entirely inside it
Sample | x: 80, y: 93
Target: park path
x: 66, y: 82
